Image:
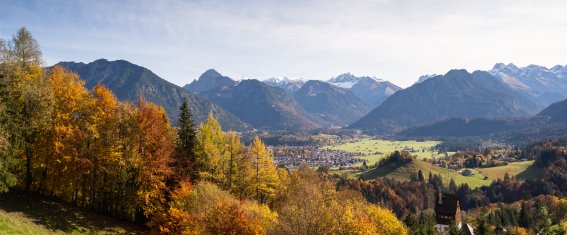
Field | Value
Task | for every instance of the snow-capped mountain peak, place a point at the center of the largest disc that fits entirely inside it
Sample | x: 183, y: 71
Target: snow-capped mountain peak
x: 288, y: 84
x: 347, y: 80
x: 501, y: 67
x: 284, y: 79
x: 545, y: 85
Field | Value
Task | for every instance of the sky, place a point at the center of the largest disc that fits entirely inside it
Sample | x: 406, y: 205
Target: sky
x: 395, y: 40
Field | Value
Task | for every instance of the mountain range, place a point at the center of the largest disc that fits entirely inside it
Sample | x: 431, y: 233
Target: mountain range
x: 506, y: 97
x: 288, y: 84
x: 129, y: 82
x: 371, y: 90
x: 336, y: 106
x: 302, y: 105
x: 545, y: 85
x: 541, y: 85
x: 455, y: 94
x: 265, y: 107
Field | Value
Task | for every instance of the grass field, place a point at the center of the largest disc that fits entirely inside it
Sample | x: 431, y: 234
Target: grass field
x: 522, y: 170
x: 403, y: 173
x: 24, y: 214
x: 374, y: 150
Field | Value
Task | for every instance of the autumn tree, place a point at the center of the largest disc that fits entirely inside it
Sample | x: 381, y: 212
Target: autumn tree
x: 207, y: 209
x: 156, y: 148
x: 239, y: 167
x: 22, y: 75
x: 211, y: 151
x: 8, y: 160
x: 8, y: 154
x: 265, y: 179
x: 311, y: 205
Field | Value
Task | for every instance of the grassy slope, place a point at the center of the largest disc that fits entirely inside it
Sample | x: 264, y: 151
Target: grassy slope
x: 24, y: 214
x: 370, y: 147
x: 402, y: 173
x: 15, y: 223
x: 523, y: 170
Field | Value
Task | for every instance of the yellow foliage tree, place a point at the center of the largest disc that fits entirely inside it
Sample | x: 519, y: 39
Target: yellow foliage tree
x: 311, y: 205
x: 266, y: 179
x: 238, y: 168
x: 207, y: 209
x: 211, y: 151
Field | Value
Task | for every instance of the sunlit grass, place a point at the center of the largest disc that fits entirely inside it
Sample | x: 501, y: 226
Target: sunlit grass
x: 374, y: 150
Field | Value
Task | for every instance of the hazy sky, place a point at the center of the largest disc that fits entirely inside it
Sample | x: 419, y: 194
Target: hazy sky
x: 393, y: 40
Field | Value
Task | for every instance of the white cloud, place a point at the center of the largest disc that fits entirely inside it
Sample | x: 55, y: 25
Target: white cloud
x: 394, y: 40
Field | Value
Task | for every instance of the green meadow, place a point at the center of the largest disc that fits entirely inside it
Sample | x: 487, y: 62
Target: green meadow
x: 480, y: 177
x: 373, y: 150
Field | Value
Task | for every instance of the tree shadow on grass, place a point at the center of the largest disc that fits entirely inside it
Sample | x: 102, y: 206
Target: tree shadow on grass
x: 531, y: 172
x: 60, y: 216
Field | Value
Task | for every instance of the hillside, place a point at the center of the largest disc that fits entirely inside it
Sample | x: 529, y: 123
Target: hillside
x: 265, y: 107
x: 129, y: 82
x: 455, y: 94
x: 24, y: 214
x: 556, y: 111
x: 552, y: 117
x: 474, y: 127
x: 333, y: 104
x: 402, y: 173
x: 522, y: 170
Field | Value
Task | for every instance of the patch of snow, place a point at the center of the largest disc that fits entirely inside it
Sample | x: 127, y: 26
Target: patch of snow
x: 512, y: 82
x: 345, y: 85
x: 389, y: 91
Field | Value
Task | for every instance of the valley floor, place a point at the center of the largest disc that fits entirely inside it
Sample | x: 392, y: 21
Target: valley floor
x: 21, y: 213
x: 373, y: 150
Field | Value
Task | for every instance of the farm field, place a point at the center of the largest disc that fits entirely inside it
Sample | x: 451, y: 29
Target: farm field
x: 522, y: 170
x: 373, y: 150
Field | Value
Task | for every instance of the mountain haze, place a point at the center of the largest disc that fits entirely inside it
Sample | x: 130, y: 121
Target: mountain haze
x: 545, y: 85
x: 551, y: 118
x: 373, y: 91
x: 335, y: 105
x: 265, y: 107
x: 288, y: 84
x: 557, y: 112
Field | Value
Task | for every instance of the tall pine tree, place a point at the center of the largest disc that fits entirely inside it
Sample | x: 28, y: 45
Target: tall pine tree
x: 185, y: 162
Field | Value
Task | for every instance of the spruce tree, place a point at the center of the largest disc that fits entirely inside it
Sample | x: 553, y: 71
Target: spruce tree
x: 420, y: 176
x: 452, y: 186
x: 185, y: 161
